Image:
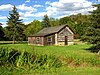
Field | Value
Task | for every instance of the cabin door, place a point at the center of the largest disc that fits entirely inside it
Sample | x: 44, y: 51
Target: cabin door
x: 66, y: 40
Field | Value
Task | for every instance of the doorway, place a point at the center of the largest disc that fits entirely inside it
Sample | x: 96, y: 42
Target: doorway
x: 66, y: 40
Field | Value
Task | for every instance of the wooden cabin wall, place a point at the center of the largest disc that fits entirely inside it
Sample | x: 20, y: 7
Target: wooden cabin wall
x: 36, y: 40
x: 63, y: 35
x: 46, y: 42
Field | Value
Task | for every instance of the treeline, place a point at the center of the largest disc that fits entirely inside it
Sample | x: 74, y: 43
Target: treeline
x: 16, y: 30
x: 78, y: 23
x: 82, y: 25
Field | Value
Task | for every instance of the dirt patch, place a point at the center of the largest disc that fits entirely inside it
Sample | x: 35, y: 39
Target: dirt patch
x: 72, y: 63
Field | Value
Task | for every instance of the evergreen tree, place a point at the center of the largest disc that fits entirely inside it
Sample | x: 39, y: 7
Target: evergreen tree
x: 92, y: 34
x: 1, y: 32
x: 46, y: 21
x: 54, y: 22
x: 15, y: 27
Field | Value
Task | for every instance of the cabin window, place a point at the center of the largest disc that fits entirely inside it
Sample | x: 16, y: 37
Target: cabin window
x: 38, y: 39
x: 49, y: 39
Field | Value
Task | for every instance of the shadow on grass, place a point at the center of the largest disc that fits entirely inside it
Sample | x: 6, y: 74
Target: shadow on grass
x: 4, y: 43
x: 11, y: 42
x: 94, y: 48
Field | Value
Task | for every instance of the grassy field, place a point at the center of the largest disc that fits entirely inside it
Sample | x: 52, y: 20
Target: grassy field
x: 74, y: 60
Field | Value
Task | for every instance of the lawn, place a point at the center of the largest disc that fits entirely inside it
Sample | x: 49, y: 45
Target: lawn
x: 74, y: 60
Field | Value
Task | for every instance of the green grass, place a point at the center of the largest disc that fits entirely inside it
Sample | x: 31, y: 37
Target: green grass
x: 75, y: 59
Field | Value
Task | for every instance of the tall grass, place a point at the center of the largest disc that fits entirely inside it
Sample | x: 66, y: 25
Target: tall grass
x: 11, y: 58
x: 26, y: 59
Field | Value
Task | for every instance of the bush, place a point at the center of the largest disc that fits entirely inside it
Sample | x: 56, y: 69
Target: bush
x: 10, y: 57
x: 4, y: 54
x: 13, y: 57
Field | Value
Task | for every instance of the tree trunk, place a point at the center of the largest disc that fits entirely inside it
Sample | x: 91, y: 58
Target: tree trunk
x: 14, y: 37
x: 13, y: 40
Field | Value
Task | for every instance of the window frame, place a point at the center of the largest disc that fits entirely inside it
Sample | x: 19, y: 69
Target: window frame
x: 49, y: 39
x: 37, y: 39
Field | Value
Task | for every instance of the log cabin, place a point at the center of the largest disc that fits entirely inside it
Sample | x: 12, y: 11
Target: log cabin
x: 57, y: 35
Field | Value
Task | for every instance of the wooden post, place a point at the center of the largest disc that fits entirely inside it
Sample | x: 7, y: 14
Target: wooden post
x: 56, y: 39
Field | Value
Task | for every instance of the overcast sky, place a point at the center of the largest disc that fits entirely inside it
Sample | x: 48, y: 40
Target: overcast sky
x: 36, y: 9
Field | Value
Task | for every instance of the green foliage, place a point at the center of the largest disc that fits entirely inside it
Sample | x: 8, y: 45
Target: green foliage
x: 46, y: 21
x: 3, y: 56
x: 64, y: 20
x: 47, y: 62
x: 15, y: 28
x: 92, y: 33
x: 77, y: 23
x: 54, y: 22
x: 25, y: 59
x: 11, y: 57
x: 33, y: 27
x: 80, y: 23
x: 1, y: 33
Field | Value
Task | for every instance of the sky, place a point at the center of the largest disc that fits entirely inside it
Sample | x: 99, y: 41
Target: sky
x: 30, y: 10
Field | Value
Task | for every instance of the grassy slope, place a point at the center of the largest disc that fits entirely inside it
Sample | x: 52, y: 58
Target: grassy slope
x: 75, y: 52
x: 78, y: 53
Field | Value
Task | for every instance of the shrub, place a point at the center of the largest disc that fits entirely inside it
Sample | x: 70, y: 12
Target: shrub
x: 10, y: 57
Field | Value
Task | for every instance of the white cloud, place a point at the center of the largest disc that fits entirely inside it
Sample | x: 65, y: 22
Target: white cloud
x: 83, y: 5
x: 57, y: 4
x: 47, y: 2
x: 27, y: 22
x: 24, y: 18
x: 27, y: 1
x: 6, y: 7
x: 3, y: 17
x: 52, y: 9
x: 21, y: 14
x: 26, y: 8
x: 71, y: 1
x: 40, y: 14
x: 28, y: 11
x: 68, y: 7
x: 92, y: 8
x: 26, y: 14
x: 38, y: 5
x: 61, y: 16
x: 31, y: 14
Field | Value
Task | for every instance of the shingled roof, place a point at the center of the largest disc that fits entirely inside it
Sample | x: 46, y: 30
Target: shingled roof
x: 49, y: 30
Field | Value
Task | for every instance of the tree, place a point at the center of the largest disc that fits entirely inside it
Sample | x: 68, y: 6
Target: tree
x: 1, y: 32
x: 54, y: 22
x: 15, y: 27
x: 64, y: 20
x: 80, y: 23
x: 92, y: 33
x: 33, y: 27
x: 46, y: 21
